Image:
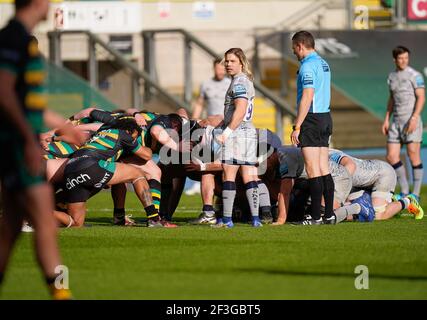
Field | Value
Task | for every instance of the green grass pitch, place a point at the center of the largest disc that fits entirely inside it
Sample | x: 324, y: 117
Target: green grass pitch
x: 198, y: 262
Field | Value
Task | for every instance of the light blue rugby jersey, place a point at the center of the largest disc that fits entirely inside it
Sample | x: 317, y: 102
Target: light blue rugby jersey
x: 314, y: 72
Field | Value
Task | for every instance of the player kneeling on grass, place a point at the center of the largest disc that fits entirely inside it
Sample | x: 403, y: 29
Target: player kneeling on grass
x: 94, y: 167
x: 380, y: 178
x: 290, y: 167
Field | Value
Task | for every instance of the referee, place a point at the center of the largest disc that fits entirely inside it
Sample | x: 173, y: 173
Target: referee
x: 313, y: 125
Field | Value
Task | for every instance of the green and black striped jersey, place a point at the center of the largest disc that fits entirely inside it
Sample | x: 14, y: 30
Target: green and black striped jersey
x: 109, y: 145
x: 19, y: 55
x: 59, y: 149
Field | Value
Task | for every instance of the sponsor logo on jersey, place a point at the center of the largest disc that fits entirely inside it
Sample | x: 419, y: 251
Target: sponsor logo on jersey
x: 307, y: 78
x: 71, y: 183
x: 420, y: 81
x: 106, y: 177
x: 239, y: 90
x: 325, y: 66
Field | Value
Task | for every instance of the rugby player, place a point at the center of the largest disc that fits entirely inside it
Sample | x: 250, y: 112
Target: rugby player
x: 378, y: 177
x: 239, y: 138
x: 25, y: 192
x: 291, y: 168
x: 95, y: 166
x: 406, y: 102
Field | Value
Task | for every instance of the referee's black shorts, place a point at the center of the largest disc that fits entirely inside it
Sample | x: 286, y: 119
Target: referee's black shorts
x: 316, y: 130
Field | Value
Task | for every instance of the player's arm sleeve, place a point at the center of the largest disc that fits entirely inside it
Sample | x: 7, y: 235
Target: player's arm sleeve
x: 136, y: 147
x: 288, y: 170
x: 202, y: 93
x: 101, y: 116
x: 140, y: 140
x: 161, y: 122
x: 388, y: 82
x: 128, y: 143
x: 336, y: 157
x: 240, y: 91
x: 307, y: 76
x: 292, y: 171
x: 418, y: 81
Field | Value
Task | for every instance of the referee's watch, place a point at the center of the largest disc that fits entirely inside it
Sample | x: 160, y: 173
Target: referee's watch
x: 295, y: 128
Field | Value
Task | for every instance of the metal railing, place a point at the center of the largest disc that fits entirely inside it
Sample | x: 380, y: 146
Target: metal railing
x: 137, y: 75
x: 149, y: 74
x: 282, y: 107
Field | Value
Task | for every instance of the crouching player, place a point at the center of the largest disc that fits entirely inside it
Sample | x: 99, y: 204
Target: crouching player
x: 379, y: 177
x: 94, y: 166
x: 290, y: 166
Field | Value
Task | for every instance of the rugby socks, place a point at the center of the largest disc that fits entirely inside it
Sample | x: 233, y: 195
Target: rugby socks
x: 405, y: 203
x: 119, y: 214
x: 156, y: 192
x: 316, y: 192
x: 118, y: 193
x: 228, y: 195
x: 328, y: 195
x: 166, y: 193
x: 264, y: 197
x: 343, y: 212
x: 253, y: 197
x: 208, y: 209
x: 401, y: 177
x: 417, y: 174
x: 152, y: 212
